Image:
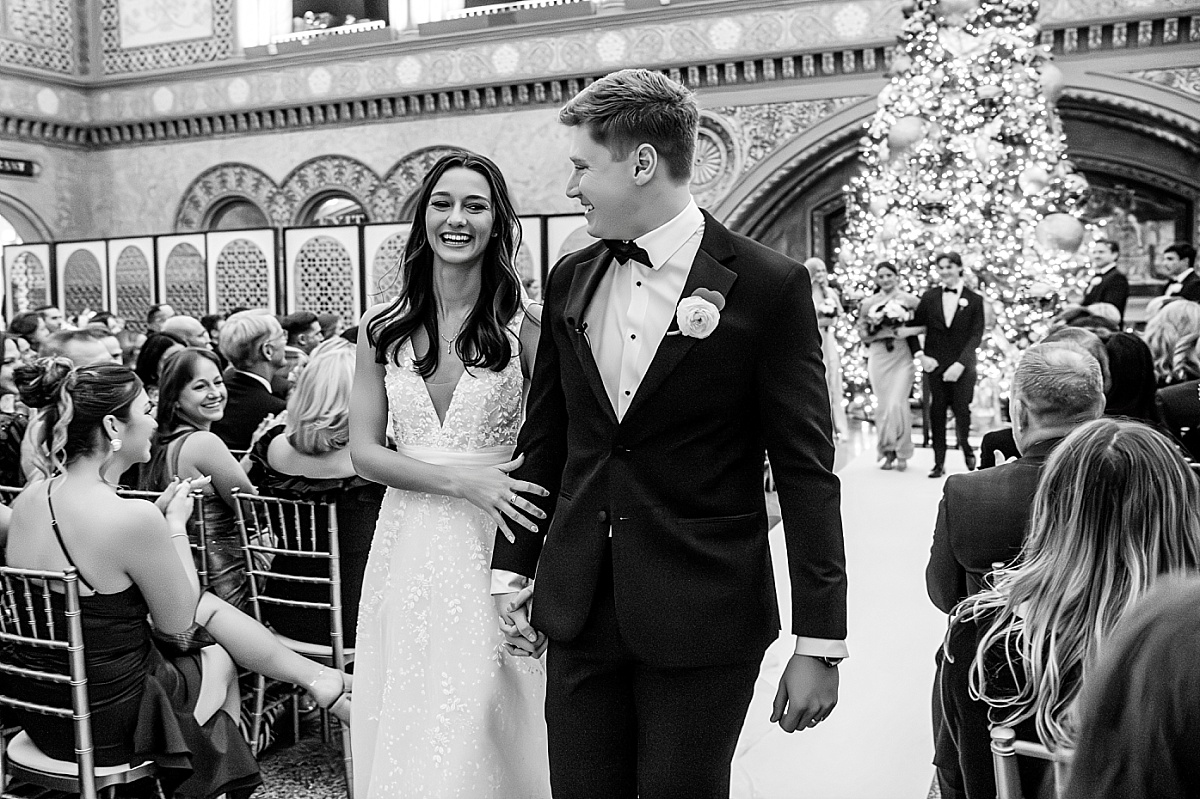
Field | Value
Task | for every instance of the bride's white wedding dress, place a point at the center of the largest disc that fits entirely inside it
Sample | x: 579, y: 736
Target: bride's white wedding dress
x: 440, y: 710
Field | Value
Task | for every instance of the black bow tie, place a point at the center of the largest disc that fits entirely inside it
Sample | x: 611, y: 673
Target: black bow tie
x: 625, y: 251
x: 953, y: 291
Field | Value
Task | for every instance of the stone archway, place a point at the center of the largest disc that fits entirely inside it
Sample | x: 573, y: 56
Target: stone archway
x: 338, y: 174
x: 218, y: 186
x: 406, y: 176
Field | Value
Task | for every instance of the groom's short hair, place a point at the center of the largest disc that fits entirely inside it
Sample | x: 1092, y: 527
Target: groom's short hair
x: 639, y: 106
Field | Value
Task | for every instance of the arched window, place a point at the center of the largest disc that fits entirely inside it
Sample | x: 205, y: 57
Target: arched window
x: 8, y: 233
x: 333, y: 208
x: 237, y: 215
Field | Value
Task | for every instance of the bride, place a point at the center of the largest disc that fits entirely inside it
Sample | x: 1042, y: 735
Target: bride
x: 446, y: 709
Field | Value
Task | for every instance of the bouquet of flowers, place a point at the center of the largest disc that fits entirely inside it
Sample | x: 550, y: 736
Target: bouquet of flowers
x: 827, y: 308
x: 892, y: 313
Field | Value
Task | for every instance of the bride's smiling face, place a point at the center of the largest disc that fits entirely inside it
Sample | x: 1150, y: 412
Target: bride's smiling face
x: 886, y: 279
x: 459, y: 217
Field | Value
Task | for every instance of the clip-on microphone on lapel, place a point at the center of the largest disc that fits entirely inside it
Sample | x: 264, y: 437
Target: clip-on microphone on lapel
x: 579, y: 329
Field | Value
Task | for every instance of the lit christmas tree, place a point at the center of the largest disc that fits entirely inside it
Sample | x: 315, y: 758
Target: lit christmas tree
x: 966, y: 153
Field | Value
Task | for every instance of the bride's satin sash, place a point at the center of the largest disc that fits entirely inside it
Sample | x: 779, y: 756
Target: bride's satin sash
x: 487, y: 456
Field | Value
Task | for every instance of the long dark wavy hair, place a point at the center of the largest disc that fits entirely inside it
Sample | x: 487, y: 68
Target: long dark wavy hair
x: 484, y: 340
x: 178, y: 370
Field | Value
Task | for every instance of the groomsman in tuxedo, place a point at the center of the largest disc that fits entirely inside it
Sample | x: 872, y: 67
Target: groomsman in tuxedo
x: 1179, y: 261
x: 671, y: 353
x: 1109, y: 284
x: 952, y: 316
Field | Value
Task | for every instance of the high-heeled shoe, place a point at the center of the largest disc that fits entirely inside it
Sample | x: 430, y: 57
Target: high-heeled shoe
x: 889, y: 462
x: 331, y: 689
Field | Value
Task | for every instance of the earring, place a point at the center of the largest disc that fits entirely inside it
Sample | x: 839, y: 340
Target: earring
x: 116, y: 445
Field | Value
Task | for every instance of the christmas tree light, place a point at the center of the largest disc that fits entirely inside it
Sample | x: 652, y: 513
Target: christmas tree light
x: 966, y: 153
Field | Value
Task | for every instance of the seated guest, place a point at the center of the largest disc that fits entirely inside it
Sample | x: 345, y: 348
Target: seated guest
x: 304, y: 332
x: 983, y: 515
x: 1178, y: 405
x: 14, y: 416
x: 135, y: 569
x: 1117, y: 510
x: 213, y: 323
x: 131, y: 346
x: 331, y: 325
x: 999, y: 446
x: 1139, y: 712
x: 156, y: 315
x: 153, y: 355
x: 191, y: 398
x: 188, y: 329
x: 30, y: 326
x: 108, y: 320
x: 1133, y: 385
x: 307, y: 458
x: 1164, y: 331
x: 253, y: 342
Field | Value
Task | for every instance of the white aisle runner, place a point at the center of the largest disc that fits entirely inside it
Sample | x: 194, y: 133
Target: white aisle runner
x: 878, y: 743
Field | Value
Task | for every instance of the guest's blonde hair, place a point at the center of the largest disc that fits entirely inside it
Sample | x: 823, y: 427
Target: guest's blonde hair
x: 1117, y: 509
x: 244, y: 334
x: 1165, y: 329
x: 318, y: 409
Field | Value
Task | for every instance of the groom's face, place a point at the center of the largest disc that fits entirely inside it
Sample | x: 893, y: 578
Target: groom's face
x: 603, y: 186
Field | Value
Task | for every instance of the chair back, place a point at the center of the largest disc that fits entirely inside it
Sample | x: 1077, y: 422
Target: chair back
x: 199, y: 543
x: 29, y: 621
x: 271, y: 527
x: 1005, y: 750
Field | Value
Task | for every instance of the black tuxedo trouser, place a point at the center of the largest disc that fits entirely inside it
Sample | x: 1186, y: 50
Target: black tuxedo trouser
x: 622, y: 729
x: 957, y: 397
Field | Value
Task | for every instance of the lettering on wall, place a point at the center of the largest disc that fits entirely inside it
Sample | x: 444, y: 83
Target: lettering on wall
x: 17, y: 167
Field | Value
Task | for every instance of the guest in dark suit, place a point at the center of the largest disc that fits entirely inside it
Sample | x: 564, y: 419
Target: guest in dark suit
x: 1109, y: 284
x: 253, y: 341
x: 1179, y: 408
x: 953, y: 318
x: 1179, y: 261
x: 654, y: 582
x: 982, y: 516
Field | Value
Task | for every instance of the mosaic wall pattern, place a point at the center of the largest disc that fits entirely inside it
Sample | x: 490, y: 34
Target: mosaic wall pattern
x: 323, y: 277
x: 40, y: 34
x: 118, y: 60
x: 241, y: 276
x: 185, y: 281
x: 135, y: 288
x: 29, y: 282
x: 83, y: 283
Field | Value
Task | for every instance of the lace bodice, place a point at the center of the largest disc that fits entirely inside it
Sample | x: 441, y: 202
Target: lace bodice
x: 484, y: 412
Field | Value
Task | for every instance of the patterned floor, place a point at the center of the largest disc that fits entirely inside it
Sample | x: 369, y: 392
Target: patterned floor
x: 309, y: 769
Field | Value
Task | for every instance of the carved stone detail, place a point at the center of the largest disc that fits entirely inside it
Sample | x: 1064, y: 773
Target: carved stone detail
x: 226, y: 181
x: 118, y: 60
x: 1184, y: 79
x: 334, y: 173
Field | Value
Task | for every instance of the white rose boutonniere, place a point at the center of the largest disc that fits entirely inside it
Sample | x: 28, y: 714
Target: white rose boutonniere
x: 962, y: 303
x: 699, y: 314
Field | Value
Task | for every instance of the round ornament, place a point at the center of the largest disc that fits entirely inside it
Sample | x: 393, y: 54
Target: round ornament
x: 1053, y: 82
x: 905, y: 132
x: 1061, y: 232
x: 1033, y: 179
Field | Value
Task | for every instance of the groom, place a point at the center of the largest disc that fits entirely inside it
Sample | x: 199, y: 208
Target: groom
x: 671, y: 354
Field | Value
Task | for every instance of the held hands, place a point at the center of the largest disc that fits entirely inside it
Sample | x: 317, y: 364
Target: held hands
x: 928, y: 364
x: 494, y: 492
x: 953, y: 372
x: 176, y: 501
x: 808, y: 693
x: 520, y: 639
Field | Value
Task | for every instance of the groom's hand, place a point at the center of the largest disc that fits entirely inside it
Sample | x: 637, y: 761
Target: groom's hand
x: 808, y: 693
x: 520, y: 639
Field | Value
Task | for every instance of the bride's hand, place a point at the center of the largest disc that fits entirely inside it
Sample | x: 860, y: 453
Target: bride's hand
x: 494, y: 492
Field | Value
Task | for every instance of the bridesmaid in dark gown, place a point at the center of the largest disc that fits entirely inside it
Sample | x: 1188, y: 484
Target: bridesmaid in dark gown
x: 136, y: 569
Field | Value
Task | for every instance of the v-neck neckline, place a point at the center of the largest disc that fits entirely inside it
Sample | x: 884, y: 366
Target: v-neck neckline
x: 429, y: 397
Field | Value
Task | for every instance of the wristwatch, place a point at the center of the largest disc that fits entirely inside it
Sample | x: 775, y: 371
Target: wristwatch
x: 829, y: 663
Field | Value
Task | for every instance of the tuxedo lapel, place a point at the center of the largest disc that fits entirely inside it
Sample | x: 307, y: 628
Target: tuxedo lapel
x: 579, y: 296
x: 707, y: 272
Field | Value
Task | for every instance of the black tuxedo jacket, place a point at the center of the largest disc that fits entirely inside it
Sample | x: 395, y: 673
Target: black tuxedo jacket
x: 249, y: 403
x: 1113, y: 288
x: 958, y: 342
x: 982, y: 519
x: 1179, y: 408
x: 679, y: 479
x: 1190, y: 289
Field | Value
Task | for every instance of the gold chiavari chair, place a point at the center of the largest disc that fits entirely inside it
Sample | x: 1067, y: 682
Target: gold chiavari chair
x: 299, y: 530
x: 30, y: 620
x: 1005, y: 750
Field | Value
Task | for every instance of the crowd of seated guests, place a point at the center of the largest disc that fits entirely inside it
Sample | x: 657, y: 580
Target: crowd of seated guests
x: 136, y: 573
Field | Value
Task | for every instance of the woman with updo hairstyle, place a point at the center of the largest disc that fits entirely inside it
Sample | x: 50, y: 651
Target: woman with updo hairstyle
x: 191, y: 398
x: 890, y: 366
x: 1117, y: 510
x: 307, y: 458
x: 135, y: 568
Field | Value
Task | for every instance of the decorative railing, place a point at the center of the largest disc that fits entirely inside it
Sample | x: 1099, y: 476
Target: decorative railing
x: 500, y: 8
x: 321, y: 33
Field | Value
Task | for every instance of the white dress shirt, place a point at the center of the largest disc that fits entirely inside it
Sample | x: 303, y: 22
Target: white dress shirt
x: 950, y: 298
x: 1177, y: 282
x: 627, y: 319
